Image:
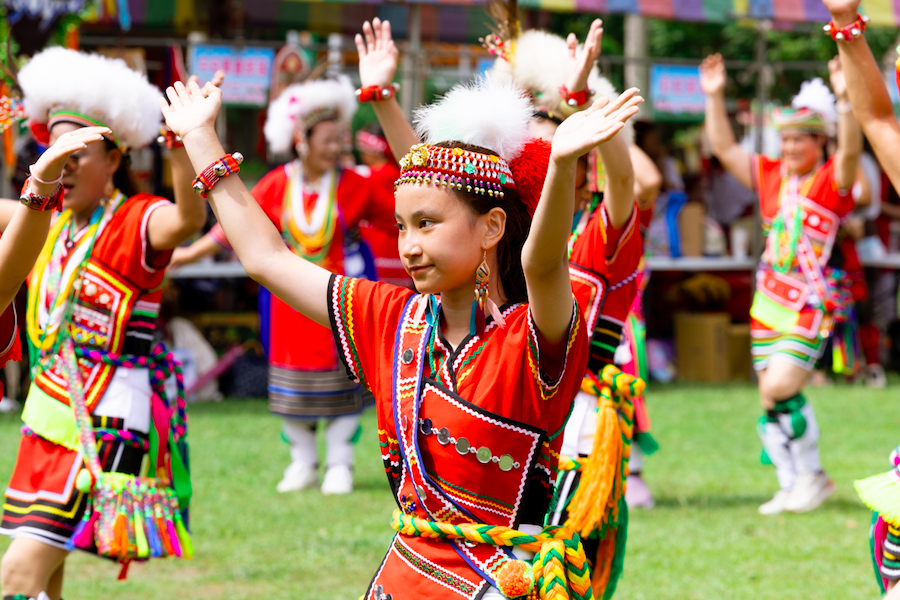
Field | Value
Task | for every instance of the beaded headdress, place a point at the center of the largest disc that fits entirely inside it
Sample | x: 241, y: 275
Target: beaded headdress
x: 303, y: 105
x: 811, y: 111
x: 61, y: 85
x: 487, y: 115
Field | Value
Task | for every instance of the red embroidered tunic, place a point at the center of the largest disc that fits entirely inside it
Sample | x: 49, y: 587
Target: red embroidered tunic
x: 613, y: 255
x: 10, y: 347
x: 472, y: 434
x: 822, y: 207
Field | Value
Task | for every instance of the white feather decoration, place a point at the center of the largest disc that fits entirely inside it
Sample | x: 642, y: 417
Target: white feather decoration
x: 816, y: 96
x: 300, y: 101
x: 485, y: 113
x: 105, y: 89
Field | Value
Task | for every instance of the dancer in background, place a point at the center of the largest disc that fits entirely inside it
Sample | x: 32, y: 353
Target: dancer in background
x: 799, y: 294
x: 314, y: 204
x: 97, y: 281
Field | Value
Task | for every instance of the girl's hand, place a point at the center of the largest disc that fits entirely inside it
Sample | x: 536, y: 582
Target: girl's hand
x: 712, y: 75
x: 843, y: 11
x: 191, y: 107
x: 578, y: 68
x: 836, y: 75
x: 378, y: 55
x: 50, y: 165
x: 594, y: 126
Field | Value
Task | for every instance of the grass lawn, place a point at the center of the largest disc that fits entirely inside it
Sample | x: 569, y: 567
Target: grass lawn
x: 704, y: 540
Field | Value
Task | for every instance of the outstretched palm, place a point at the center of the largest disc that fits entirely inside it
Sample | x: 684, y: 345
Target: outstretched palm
x: 578, y: 66
x: 378, y: 55
x: 712, y: 75
x: 191, y: 107
x: 594, y: 126
x: 836, y: 75
x: 837, y: 7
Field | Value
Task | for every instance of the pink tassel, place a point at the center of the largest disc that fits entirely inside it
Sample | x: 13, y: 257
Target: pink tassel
x: 495, y: 313
x: 84, y: 535
x: 173, y: 537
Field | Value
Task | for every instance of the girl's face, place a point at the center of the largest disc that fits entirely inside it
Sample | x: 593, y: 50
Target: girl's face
x: 441, y: 238
x: 324, y: 146
x: 86, y: 172
x: 800, y: 151
x: 543, y: 129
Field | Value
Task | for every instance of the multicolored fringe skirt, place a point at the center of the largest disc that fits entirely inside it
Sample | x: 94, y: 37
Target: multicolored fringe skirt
x: 314, y: 394
x: 42, y: 502
x: 766, y: 343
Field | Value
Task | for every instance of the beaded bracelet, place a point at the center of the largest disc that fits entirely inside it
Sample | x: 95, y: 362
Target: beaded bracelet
x: 374, y: 93
x: 169, y: 139
x: 35, y: 201
x: 575, y: 98
x: 225, y: 166
x: 850, y: 32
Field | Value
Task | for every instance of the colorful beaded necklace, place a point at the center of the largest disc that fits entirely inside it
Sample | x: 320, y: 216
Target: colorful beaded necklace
x: 784, y: 241
x: 310, y: 236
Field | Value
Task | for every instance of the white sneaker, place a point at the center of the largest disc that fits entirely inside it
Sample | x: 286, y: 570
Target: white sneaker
x: 338, y: 480
x: 776, y: 505
x: 8, y: 405
x: 298, y: 476
x: 875, y: 377
x: 809, y: 492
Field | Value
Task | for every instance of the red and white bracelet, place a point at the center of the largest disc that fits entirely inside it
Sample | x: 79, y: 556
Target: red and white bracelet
x: 850, y: 32
x: 374, y: 93
x: 35, y: 201
x: 575, y: 98
x: 169, y: 139
x: 225, y: 166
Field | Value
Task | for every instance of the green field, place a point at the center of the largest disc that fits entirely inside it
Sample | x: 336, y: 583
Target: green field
x: 704, y: 540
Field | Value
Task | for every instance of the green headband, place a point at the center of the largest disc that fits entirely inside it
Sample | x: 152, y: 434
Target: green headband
x: 70, y: 116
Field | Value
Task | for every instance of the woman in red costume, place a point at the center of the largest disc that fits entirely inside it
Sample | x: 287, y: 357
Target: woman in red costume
x: 803, y: 197
x: 313, y: 203
x: 471, y: 396
x: 96, y: 283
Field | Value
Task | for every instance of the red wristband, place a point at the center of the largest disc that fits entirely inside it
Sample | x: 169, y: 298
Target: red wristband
x: 168, y: 139
x: 850, y: 32
x: 374, y: 93
x: 35, y: 201
x: 575, y: 98
x: 225, y: 166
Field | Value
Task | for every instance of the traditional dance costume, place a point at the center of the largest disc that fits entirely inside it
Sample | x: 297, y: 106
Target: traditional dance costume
x: 306, y: 382
x: 799, y: 294
x: 881, y: 493
x: 10, y: 346
x: 470, y: 435
x: 99, y: 287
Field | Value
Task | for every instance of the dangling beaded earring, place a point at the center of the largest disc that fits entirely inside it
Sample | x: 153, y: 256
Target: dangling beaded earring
x: 108, y: 190
x: 483, y: 300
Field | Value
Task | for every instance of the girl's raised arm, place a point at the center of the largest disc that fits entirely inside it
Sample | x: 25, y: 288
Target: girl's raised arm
x: 191, y: 113
x: 544, y: 258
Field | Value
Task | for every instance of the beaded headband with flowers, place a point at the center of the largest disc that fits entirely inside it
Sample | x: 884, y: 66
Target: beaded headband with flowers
x: 474, y: 172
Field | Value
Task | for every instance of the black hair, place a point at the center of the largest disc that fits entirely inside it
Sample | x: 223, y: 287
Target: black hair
x: 518, y: 224
x: 123, y: 178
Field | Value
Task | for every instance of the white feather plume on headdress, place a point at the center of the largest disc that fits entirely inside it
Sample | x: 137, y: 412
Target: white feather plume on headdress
x: 486, y: 113
x: 537, y: 66
x: 816, y: 96
x: 304, y: 104
x: 101, y: 88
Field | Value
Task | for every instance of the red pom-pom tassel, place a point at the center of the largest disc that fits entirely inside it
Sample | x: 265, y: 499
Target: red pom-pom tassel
x: 529, y: 171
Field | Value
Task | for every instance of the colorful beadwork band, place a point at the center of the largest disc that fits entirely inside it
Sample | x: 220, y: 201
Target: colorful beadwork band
x: 463, y: 169
x: 35, y: 201
x: 225, y: 166
x: 70, y: 116
x: 803, y: 119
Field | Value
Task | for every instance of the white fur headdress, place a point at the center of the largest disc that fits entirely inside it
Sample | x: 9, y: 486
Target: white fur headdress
x: 305, y: 104
x: 536, y: 65
x: 487, y: 113
x: 65, y: 85
x: 816, y: 96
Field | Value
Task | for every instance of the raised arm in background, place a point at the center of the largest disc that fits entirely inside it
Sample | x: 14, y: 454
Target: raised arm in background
x: 849, y: 137
x: 733, y: 158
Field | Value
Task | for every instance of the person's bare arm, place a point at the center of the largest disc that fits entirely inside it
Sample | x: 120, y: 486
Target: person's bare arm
x: 258, y: 244
x: 647, y: 178
x: 891, y: 211
x: 378, y: 59
x: 618, y: 196
x: 205, y: 246
x: 849, y: 137
x: 544, y: 258
x: 7, y: 210
x: 868, y: 95
x: 26, y: 232
x: 718, y: 129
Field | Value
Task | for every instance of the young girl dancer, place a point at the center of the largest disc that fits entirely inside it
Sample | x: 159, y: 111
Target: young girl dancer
x: 803, y: 197
x: 97, y: 281
x: 471, y: 397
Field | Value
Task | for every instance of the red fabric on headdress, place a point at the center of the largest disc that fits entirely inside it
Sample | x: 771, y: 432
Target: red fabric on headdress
x: 41, y: 133
x: 529, y: 171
